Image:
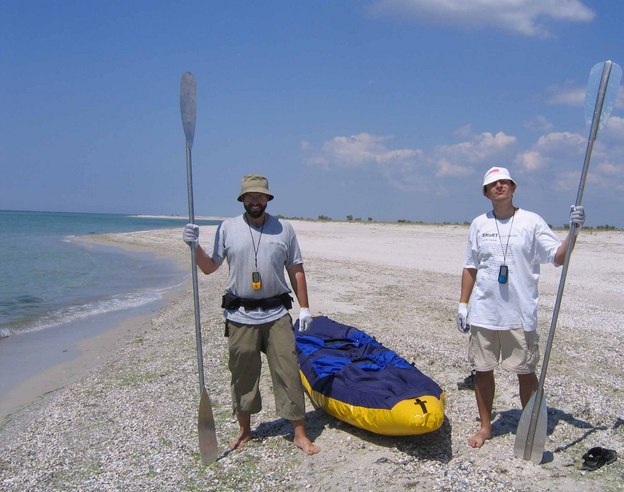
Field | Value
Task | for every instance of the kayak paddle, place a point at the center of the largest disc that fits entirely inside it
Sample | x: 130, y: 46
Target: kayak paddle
x: 205, y: 421
x: 604, y: 81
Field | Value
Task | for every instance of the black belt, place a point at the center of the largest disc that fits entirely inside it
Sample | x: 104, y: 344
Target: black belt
x: 231, y: 301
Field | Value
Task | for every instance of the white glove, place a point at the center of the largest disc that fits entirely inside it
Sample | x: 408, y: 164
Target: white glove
x: 191, y: 234
x: 305, y: 319
x: 577, y: 217
x: 462, y: 315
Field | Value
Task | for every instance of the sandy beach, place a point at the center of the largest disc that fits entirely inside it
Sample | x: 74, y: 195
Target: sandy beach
x: 122, y: 416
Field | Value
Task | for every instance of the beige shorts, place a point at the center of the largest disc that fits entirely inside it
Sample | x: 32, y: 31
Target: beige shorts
x: 515, y: 350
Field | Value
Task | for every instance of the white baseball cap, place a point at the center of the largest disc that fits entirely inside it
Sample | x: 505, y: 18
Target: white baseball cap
x: 495, y: 174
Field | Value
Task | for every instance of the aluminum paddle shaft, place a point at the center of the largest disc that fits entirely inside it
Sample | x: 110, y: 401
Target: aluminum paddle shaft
x: 188, y: 111
x: 205, y: 420
x: 529, y: 445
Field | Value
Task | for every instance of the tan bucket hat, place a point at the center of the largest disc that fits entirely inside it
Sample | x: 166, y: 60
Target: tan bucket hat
x: 254, y: 183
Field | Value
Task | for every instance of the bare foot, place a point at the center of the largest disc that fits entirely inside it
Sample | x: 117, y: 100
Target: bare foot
x: 479, y: 438
x: 307, y: 446
x: 240, y: 441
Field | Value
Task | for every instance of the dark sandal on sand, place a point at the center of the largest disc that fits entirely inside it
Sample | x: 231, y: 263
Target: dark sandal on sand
x: 468, y: 383
x: 596, y: 457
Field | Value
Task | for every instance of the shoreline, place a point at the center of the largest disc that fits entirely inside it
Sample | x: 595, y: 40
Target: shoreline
x: 65, y: 354
x: 88, y: 354
x: 40, y: 361
x: 177, y: 217
x: 130, y: 421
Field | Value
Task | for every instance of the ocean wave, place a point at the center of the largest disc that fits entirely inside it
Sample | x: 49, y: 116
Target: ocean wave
x: 98, y: 307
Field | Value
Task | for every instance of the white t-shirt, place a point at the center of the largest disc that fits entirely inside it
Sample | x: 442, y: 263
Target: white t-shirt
x: 276, y: 248
x: 531, y: 242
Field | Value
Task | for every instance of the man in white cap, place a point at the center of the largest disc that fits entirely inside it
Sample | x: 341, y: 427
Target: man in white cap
x: 259, y: 248
x: 499, y: 291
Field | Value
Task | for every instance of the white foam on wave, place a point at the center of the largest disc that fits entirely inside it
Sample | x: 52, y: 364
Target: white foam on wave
x: 99, y: 307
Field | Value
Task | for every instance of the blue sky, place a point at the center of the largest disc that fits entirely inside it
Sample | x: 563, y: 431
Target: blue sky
x: 388, y: 109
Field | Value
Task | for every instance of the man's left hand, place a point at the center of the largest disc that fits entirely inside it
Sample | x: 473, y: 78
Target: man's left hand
x: 577, y: 217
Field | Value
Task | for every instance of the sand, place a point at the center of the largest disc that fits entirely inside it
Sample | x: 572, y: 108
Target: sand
x: 124, y: 417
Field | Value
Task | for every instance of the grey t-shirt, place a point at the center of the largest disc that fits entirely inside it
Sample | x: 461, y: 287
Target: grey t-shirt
x: 267, y: 250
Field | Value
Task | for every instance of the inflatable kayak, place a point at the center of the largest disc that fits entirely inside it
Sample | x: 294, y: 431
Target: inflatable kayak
x: 353, y: 377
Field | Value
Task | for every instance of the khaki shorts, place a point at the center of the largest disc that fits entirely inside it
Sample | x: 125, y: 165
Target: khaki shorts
x: 277, y: 340
x: 515, y: 350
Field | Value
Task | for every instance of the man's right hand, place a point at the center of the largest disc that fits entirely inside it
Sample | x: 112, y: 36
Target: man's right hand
x: 305, y: 319
x: 462, y: 316
x: 191, y: 234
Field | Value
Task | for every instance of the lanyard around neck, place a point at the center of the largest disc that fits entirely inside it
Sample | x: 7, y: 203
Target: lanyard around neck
x: 255, y: 247
x: 508, y: 236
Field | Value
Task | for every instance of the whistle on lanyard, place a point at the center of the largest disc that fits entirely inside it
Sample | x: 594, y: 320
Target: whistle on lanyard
x: 256, y: 281
x: 503, y: 274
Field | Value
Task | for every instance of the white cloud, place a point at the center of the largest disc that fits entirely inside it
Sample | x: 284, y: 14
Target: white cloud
x: 557, y: 142
x: 470, y: 156
x: 447, y: 168
x: 539, y: 123
x: 561, y: 155
x: 411, y: 168
x: 550, y: 151
x: 478, y: 148
x: 360, y: 150
x: 567, y: 96
x: 614, y: 128
x: 608, y: 169
x: 530, y: 160
x: 464, y: 131
x: 555, y: 158
x: 525, y: 17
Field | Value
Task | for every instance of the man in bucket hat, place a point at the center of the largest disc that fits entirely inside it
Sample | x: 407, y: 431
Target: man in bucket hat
x: 499, y: 294
x: 259, y: 248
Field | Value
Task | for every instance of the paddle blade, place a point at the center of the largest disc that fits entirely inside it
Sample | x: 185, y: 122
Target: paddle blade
x: 530, y: 445
x: 610, y: 96
x: 188, y: 105
x: 208, y: 449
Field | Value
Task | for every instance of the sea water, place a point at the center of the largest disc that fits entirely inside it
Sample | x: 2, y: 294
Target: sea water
x: 56, y: 289
x: 48, y: 278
